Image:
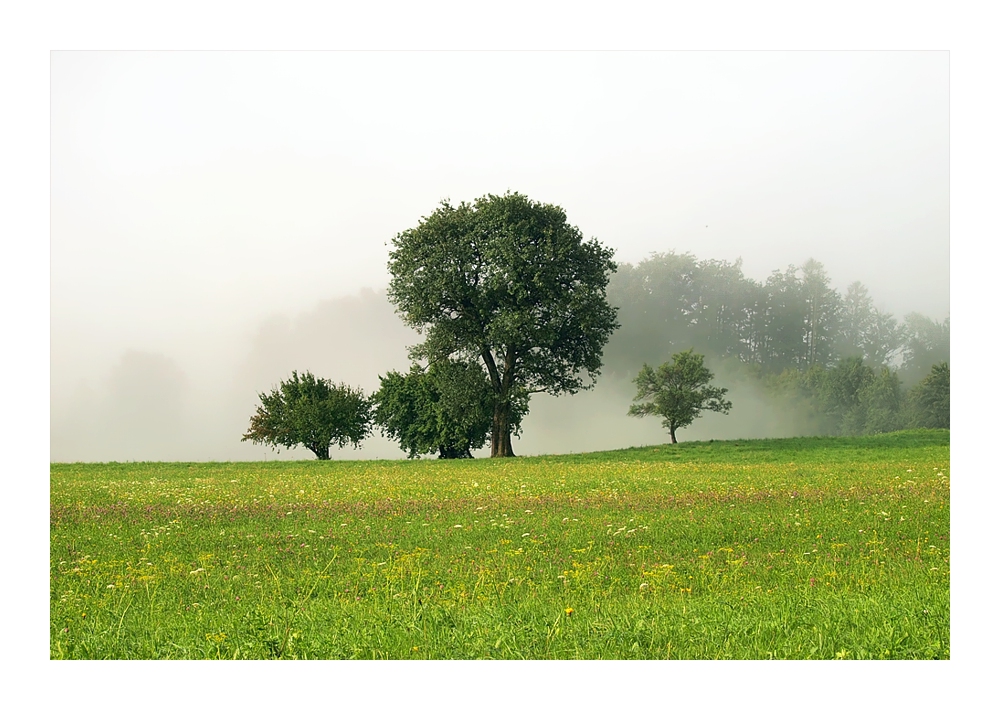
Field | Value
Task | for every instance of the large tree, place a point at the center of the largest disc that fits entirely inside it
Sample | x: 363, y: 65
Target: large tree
x: 783, y: 322
x: 312, y: 412
x: 823, y: 313
x: 678, y: 391
x: 801, y: 319
x: 510, y: 282
x: 867, y: 331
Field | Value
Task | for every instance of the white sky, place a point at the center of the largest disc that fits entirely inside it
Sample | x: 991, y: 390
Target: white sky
x: 192, y: 189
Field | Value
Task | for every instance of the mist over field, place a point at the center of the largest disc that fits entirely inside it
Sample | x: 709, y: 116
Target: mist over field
x: 192, y: 401
x: 221, y: 219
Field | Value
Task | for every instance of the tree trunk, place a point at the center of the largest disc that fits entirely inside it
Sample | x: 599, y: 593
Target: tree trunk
x: 500, y: 433
x: 673, y: 439
x: 323, y: 454
x: 500, y: 430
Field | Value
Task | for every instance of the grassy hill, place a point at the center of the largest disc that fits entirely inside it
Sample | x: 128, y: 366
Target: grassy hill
x: 787, y: 548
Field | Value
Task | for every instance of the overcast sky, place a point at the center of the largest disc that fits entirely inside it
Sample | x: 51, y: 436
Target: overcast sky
x: 197, y: 197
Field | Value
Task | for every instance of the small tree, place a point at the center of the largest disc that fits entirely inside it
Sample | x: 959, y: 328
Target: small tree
x: 311, y: 412
x: 678, y: 391
x: 447, y: 408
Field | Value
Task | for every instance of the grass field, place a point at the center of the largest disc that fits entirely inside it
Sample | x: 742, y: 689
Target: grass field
x: 788, y: 548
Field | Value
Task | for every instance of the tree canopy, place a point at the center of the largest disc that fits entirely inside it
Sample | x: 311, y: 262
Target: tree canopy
x: 507, y: 281
x: 678, y: 391
x: 311, y: 412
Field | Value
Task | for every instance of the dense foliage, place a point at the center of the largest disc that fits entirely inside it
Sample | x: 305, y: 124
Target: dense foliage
x: 510, y: 283
x: 311, y: 412
x: 852, y: 398
x: 446, y: 408
x: 678, y: 391
x: 929, y: 400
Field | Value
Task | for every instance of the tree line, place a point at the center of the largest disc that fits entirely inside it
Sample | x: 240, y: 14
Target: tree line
x: 513, y: 301
x: 792, y: 320
x: 847, y: 366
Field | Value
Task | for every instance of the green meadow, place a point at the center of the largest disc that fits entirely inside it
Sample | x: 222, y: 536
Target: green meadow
x: 824, y: 548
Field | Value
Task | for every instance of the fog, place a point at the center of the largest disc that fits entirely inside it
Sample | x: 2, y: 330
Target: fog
x: 596, y: 420
x: 220, y: 219
x: 194, y: 403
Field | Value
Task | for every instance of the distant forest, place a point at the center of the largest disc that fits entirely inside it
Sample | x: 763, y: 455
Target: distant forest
x: 844, y: 365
